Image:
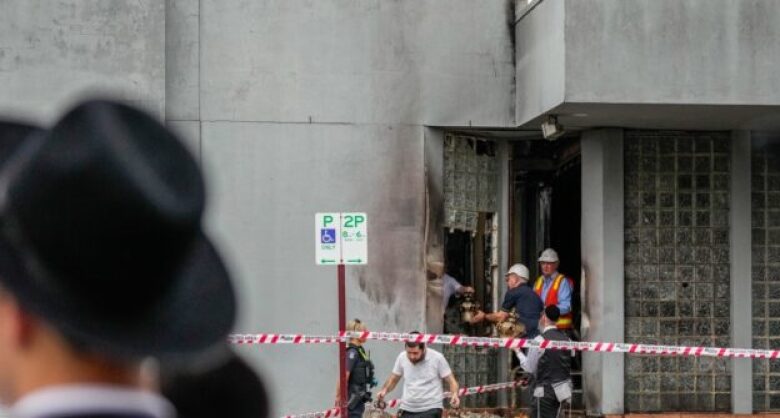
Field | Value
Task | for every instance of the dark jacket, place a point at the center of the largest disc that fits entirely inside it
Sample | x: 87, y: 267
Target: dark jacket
x: 528, y: 306
x: 554, y: 365
x: 359, y: 367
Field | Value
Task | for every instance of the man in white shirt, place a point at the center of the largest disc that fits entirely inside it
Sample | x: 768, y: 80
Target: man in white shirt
x: 423, y: 370
x: 103, y: 262
x: 449, y: 284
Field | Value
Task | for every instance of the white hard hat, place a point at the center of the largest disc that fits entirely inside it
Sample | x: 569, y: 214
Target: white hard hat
x: 519, y: 270
x: 549, y: 256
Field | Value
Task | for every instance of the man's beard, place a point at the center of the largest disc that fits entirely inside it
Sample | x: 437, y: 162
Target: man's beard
x: 422, y: 357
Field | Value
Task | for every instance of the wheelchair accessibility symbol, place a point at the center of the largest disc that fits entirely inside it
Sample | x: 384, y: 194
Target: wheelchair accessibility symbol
x: 328, y: 236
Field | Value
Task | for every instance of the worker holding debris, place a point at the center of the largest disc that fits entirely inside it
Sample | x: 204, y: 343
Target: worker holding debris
x: 521, y: 298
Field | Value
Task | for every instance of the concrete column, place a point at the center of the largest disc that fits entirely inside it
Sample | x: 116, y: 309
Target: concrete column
x: 602, y: 267
x: 741, y: 272
x: 504, y: 154
x: 434, y: 210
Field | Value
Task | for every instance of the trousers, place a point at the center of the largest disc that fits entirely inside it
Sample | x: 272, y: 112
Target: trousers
x: 431, y: 413
x: 547, y: 406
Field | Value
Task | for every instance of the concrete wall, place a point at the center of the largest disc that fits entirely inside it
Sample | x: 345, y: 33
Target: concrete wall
x: 540, y: 53
x: 321, y: 106
x: 672, y: 51
x: 294, y: 107
x: 268, y: 181
x: 741, y: 253
x: 435, y: 62
x: 53, y: 53
x: 602, y: 268
x: 576, y: 56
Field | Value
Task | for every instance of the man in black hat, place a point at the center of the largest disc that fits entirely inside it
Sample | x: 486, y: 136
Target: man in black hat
x: 551, y: 368
x: 103, y: 262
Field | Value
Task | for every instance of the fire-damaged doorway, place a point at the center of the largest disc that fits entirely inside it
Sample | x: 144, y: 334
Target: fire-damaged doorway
x: 469, y: 231
x: 546, y: 212
x: 499, y: 195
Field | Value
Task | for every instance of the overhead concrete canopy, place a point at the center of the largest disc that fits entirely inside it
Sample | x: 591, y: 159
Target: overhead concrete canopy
x: 681, y: 64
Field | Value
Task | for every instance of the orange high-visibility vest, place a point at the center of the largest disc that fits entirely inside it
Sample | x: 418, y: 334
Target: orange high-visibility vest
x: 566, y: 320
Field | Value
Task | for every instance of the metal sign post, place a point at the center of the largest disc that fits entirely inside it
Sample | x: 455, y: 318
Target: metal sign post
x: 343, y: 344
x: 341, y: 238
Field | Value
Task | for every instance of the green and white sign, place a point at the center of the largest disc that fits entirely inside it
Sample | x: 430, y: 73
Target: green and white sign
x: 341, y: 238
x: 354, y: 238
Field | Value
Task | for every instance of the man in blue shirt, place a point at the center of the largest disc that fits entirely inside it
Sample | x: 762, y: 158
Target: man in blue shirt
x: 527, y: 304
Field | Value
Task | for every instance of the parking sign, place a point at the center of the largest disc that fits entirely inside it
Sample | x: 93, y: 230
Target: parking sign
x: 341, y: 238
x: 327, y: 232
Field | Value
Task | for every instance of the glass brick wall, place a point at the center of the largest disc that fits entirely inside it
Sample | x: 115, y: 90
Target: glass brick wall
x: 677, y: 267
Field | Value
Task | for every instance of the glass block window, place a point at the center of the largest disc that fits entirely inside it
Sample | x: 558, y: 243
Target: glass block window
x: 677, y: 267
x: 470, y: 181
x: 766, y: 272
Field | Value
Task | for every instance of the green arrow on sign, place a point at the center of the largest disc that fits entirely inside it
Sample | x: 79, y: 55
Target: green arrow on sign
x: 327, y: 261
x: 354, y: 261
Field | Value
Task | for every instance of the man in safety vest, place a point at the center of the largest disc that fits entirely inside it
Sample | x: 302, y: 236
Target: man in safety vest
x: 555, y: 289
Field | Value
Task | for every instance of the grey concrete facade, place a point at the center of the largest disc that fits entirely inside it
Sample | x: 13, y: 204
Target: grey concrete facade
x: 318, y: 106
x: 602, y: 268
x: 741, y: 271
x: 541, y: 60
x: 585, y: 60
x: 267, y: 181
x: 53, y: 56
x: 357, y: 62
x: 667, y: 49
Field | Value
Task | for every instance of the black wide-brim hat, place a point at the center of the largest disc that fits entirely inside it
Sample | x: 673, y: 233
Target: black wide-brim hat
x: 101, y: 235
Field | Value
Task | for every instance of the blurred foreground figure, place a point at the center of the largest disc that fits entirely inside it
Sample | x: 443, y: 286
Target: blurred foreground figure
x: 231, y: 389
x: 103, y: 262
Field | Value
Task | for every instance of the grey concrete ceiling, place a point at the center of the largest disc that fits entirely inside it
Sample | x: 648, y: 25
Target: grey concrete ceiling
x: 578, y: 116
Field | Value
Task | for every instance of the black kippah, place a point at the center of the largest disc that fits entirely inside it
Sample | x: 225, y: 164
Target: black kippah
x: 552, y: 312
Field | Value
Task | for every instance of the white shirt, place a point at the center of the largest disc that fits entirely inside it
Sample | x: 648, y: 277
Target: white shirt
x: 529, y: 362
x: 423, y: 387
x: 449, y: 287
x: 82, y: 399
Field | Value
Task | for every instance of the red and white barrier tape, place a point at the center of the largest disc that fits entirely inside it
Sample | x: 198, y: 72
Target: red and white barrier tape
x: 334, y: 412
x: 283, y: 339
x: 599, y: 347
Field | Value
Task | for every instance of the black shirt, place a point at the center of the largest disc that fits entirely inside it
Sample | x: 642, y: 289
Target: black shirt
x: 528, y: 306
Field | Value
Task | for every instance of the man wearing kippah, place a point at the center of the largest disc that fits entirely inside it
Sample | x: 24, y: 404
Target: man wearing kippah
x: 550, y: 368
x: 103, y: 262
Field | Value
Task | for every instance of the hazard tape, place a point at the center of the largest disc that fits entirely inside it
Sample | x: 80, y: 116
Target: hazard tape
x: 333, y: 412
x: 395, y: 403
x: 598, y: 347
x: 283, y: 339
